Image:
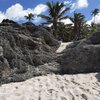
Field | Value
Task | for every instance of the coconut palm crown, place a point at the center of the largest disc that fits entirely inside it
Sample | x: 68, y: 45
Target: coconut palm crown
x: 94, y: 13
x: 56, y: 12
x: 29, y: 17
x: 78, y: 20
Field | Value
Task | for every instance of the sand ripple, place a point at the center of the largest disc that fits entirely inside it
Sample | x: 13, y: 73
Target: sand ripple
x: 54, y: 87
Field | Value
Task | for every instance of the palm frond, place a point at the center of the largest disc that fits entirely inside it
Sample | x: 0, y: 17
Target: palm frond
x: 29, y: 17
x: 72, y: 19
x: 44, y: 17
x: 95, y: 12
x: 63, y: 12
x: 65, y: 17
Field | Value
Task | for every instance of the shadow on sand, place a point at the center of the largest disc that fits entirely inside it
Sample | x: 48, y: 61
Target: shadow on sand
x: 98, y: 77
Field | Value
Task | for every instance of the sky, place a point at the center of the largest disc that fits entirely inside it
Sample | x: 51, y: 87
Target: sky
x: 17, y: 9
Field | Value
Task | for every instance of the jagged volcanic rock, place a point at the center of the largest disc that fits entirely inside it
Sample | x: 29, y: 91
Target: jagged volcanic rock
x: 24, y: 50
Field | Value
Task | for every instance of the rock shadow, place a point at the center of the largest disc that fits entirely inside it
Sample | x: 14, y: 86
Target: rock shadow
x: 98, y: 77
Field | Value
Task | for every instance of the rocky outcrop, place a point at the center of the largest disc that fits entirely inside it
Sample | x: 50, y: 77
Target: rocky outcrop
x: 28, y: 50
x: 24, y: 50
x: 41, y: 32
x: 82, y: 56
x: 94, y: 38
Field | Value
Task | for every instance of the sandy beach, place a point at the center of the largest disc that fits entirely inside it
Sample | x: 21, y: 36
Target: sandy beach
x: 54, y: 87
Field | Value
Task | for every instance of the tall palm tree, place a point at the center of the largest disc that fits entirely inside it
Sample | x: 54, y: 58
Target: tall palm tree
x: 79, y: 20
x: 94, y: 13
x: 56, y: 12
x: 29, y: 17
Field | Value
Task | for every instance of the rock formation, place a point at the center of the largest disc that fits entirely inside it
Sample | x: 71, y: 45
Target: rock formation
x: 23, y: 48
x: 82, y: 56
x: 27, y: 50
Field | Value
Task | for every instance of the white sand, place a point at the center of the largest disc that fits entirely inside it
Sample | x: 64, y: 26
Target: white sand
x: 54, y: 87
x: 63, y: 46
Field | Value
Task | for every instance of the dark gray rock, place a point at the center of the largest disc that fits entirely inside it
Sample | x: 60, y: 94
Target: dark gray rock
x: 41, y: 32
x: 48, y: 68
x: 4, y: 65
x: 21, y: 51
x: 28, y: 50
x: 82, y: 57
x: 94, y: 38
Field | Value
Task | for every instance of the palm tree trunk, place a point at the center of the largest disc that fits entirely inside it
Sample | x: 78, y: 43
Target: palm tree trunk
x: 76, y: 31
x: 94, y: 20
x: 55, y: 29
x: 29, y: 20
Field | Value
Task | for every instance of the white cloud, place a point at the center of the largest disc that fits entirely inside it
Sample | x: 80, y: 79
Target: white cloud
x: 67, y: 21
x: 67, y: 2
x: 2, y: 16
x: 79, y: 4
x: 50, y: 25
x: 17, y: 12
x: 97, y: 19
x: 82, y: 4
x: 40, y: 9
x: 89, y: 22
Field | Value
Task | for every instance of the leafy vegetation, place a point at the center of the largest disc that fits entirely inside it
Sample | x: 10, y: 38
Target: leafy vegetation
x: 56, y: 12
x: 78, y: 20
x: 69, y: 32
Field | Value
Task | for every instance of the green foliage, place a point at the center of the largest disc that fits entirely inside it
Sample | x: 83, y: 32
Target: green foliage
x: 56, y: 12
x: 78, y: 20
x: 78, y: 30
x: 70, y: 32
x: 65, y: 32
x: 95, y: 27
x: 95, y: 12
x: 29, y: 17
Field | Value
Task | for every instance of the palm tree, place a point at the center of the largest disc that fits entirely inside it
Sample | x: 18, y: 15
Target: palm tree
x: 29, y: 17
x: 79, y: 20
x: 65, y: 32
x: 56, y: 12
x: 94, y: 13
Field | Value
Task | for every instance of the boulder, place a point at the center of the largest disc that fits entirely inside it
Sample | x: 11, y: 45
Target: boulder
x: 22, y: 52
x: 82, y: 57
x: 94, y: 38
